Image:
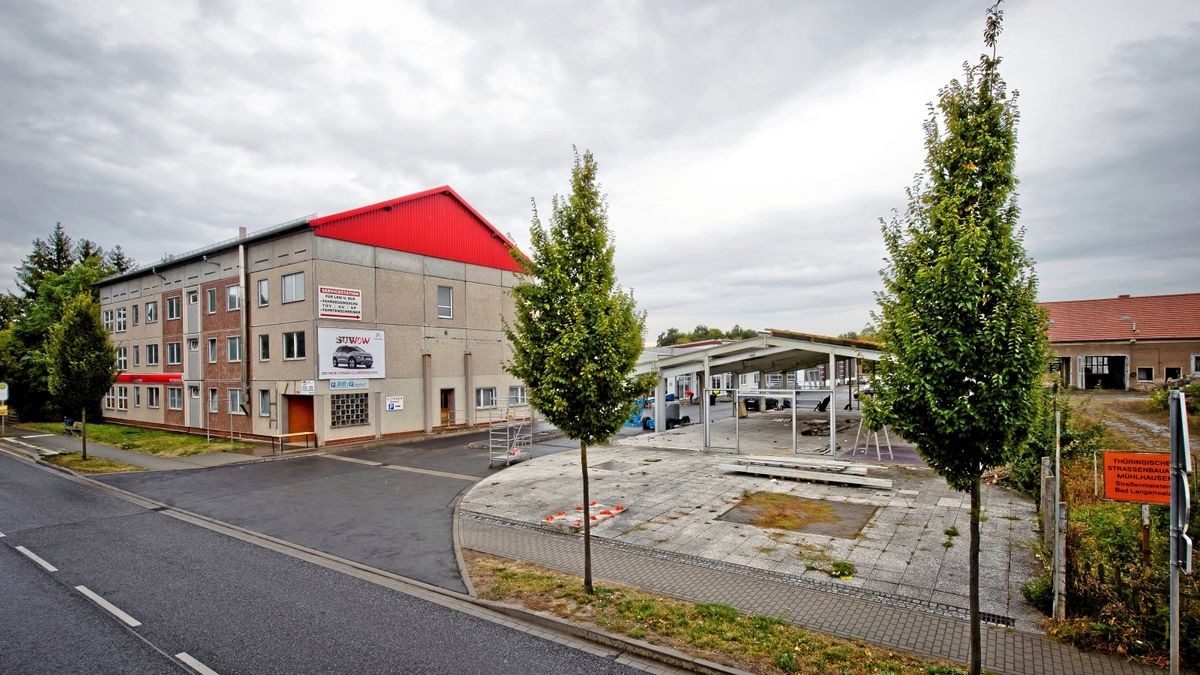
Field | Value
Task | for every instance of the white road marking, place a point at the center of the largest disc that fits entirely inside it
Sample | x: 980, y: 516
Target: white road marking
x: 431, y: 472
x: 44, y: 452
x: 39, y: 436
x: 37, y: 559
x: 112, y: 609
x: 194, y: 664
x: 1, y: 534
x: 352, y: 459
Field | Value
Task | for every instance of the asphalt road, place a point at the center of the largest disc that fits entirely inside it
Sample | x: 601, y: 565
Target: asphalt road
x: 232, y: 605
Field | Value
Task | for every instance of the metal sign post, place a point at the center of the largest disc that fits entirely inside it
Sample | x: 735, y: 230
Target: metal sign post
x: 1181, y: 513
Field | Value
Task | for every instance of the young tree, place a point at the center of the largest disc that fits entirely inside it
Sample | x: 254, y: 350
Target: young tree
x: 82, y: 363
x: 963, y: 340
x: 576, y: 335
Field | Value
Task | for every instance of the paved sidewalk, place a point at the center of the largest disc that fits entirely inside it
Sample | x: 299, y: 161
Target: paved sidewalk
x: 37, y: 443
x: 763, y: 592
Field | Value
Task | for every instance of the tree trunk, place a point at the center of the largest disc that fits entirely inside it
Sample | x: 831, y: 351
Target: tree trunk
x: 975, y: 651
x: 587, y: 523
x: 83, y: 431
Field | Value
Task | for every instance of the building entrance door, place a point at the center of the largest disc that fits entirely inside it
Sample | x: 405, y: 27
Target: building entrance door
x: 300, y: 414
x: 447, y: 405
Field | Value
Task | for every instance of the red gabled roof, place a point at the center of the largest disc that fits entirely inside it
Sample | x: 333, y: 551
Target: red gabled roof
x: 1125, y: 318
x: 437, y: 223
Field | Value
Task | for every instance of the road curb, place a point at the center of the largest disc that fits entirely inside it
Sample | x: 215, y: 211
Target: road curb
x: 646, y: 650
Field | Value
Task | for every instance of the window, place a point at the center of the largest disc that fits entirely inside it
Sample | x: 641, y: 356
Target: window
x: 137, y: 397
x: 210, y: 300
x: 1173, y: 373
x: 348, y: 410
x: 173, y: 310
x: 1145, y: 374
x: 122, y: 397
x: 175, y: 398
x: 233, y: 297
x: 121, y: 323
x: 264, y: 347
x: 233, y: 349
x: 1196, y: 363
x: 445, y: 302
x: 264, y: 402
x: 1096, y: 365
x: 108, y: 320
x: 194, y: 391
x: 293, y: 345
x: 152, y: 354
x: 174, y: 353
x: 264, y: 292
x: 137, y: 356
x: 235, y: 402
x: 293, y: 287
x: 134, y: 309
x: 193, y: 344
x: 485, y: 397
x: 212, y: 350
x: 110, y: 400
x: 193, y: 297
x: 122, y: 359
x: 153, y: 397
x: 517, y: 395
x: 152, y: 311
x: 214, y: 404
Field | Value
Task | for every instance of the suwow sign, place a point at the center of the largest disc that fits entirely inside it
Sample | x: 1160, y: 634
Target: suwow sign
x: 1143, y: 477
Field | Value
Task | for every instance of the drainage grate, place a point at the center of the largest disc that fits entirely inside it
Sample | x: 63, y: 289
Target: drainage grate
x: 997, y: 619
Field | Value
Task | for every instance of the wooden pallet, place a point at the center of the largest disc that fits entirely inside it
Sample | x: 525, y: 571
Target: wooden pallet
x: 810, y: 476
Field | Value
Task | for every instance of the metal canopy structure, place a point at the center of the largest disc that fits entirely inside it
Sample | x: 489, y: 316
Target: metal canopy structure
x: 771, y: 351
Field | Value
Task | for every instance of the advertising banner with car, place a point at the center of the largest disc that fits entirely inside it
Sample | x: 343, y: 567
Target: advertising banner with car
x: 347, y: 354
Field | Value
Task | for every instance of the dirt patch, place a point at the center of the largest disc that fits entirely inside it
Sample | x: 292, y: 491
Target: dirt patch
x: 800, y: 514
x: 613, y: 465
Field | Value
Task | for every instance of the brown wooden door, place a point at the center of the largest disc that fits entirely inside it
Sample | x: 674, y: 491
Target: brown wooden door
x: 447, y: 405
x: 300, y: 414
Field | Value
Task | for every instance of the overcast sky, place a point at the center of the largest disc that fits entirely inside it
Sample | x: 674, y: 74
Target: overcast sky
x: 748, y: 149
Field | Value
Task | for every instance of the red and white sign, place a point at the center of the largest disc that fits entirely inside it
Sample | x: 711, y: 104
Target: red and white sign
x: 339, y: 303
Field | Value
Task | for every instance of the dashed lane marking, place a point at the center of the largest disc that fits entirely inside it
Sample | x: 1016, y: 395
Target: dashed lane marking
x: 39, y: 436
x: 431, y: 472
x: 195, y: 664
x: 352, y: 459
x: 37, y: 559
x: 108, y: 606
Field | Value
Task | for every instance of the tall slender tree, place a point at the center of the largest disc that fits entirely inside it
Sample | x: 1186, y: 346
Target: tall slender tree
x: 53, y: 256
x: 82, y: 362
x: 576, y: 335
x: 963, y: 340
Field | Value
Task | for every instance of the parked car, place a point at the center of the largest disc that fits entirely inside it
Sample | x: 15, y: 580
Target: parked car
x: 349, y: 356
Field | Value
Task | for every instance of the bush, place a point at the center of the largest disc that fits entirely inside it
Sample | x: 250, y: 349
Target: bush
x: 1039, y: 592
x: 1160, y: 398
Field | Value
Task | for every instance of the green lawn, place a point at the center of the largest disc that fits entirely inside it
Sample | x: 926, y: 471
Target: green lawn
x: 149, y: 441
x: 74, y: 461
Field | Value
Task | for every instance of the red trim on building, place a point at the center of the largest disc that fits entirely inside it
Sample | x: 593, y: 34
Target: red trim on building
x: 436, y: 223
x: 151, y: 378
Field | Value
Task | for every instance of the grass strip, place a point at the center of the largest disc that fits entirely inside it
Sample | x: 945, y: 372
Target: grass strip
x: 148, y: 441
x: 75, y: 462
x: 720, y: 633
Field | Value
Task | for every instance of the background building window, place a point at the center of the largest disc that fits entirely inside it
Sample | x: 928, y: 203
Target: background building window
x: 108, y: 320
x: 233, y: 297
x: 134, y: 310
x: 264, y: 292
x: 445, y: 299
x: 235, y: 402
x: 137, y: 397
x: 214, y: 403
x: 173, y: 309
x: 122, y: 359
x: 175, y: 398
x: 348, y: 410
x: 152, y: 312
x: 174, y: 353
x: 1172, y: 373
x: 1145, y: 374
x: 293, y: 345
x: 152, y: 354
x: 233, y: 349
x: 122, y: 397
x: 264, y: 347
x: 121, y: 320
x: 485, y: 397
x: 210, y: 298
x: 212, y: 350
x: 293, y: 287
x: 264, y: 402
x: 137, y: 356
x: 153, y: 397
x: 517, y: 395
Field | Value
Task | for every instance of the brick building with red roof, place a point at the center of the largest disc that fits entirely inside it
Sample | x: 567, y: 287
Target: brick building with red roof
x: 1126, y: 342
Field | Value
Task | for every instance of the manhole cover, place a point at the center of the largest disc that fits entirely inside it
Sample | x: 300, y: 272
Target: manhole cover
x: 800, y: 514
x: 613, y: 465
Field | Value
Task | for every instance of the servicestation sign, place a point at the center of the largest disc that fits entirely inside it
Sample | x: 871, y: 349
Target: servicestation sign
x: 339, y: 303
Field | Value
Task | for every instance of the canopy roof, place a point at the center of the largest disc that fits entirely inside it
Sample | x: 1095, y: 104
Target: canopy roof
x: 771, y: 351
